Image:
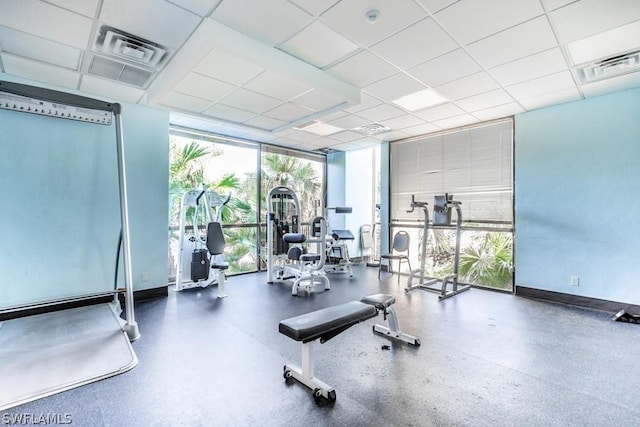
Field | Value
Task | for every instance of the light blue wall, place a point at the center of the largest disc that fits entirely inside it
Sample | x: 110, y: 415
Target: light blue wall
x: 60, y: 203
x: 336, y: 165
x: 577, y: 197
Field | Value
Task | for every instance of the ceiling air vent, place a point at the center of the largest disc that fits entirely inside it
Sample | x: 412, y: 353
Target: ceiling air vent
x: 610, y: 67
x: 119, y: 71
x: 372, y: 129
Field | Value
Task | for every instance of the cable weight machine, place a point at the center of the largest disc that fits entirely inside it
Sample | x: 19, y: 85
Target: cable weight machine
x: 442, y: 207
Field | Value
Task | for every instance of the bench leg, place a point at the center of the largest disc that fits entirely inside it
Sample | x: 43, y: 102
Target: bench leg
x: 306, y: 376
x: 393, y: 330
x: 222, y: 278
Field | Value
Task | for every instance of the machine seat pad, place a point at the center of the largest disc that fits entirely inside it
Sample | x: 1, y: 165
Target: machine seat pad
x: 310, y: 257
x: 223, y: 266
x: 294, y: 238
x: 326, y: 322
x: 380, y: 301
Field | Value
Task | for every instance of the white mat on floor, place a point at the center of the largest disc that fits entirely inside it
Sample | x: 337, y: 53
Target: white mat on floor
x: 48, y: 353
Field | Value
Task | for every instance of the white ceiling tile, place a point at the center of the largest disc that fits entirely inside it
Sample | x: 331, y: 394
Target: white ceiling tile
x: 226, y: 112
x: 288, y: 112
x: 467, y: 86
x: 362, y: 69
x: 471, y: 20
x: 199, y: 7
x: 200, y: 86
x: 170, y: 26
x: 445, y: 68
x: 531, y: 67
x: 87, y: 8
x: 189, y: 122
x: 346, y: 136
x: 271, y: 22
x: 317, y: 100
x: 222, y: 65
x: 420, y: 42
x: 349, y: 18
x: 606, y: 44
x: 603, y: 87
x: 381, y: 112
x: 334, y: 116
x: 265, y: 123
x: 319, y: 45
x: 315, y: 7
x: 349, y: 122
x: 183, y: 102
x: 559, y: 97
x: 40, y: 72
x: 250, y: 101
x: 391, y: 136
x: 550, y: 5
x: 366, y: 101
x: 402, y: 122
x: 440, y: 112
x: 453, y: 122
x: 543, y: 85
x: 421, y: 129
x: 45, y: 20
x: 394, y: 87
x: 307, y: 137
x: 436, y: 5
x: 365, y: 143
x: 40, y: 49
x: 485, y: 100
x: 277, y: 86
x: 110, y: 89
x: 498, y: 112
x: 588, y: 17
x: 517, y: 42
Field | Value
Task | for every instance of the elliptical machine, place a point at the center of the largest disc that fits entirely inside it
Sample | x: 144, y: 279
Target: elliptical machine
x: 442, y: 206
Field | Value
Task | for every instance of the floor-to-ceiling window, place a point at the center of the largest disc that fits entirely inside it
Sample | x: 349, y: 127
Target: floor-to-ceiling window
x: 475, y: 165
x: 242, y: 172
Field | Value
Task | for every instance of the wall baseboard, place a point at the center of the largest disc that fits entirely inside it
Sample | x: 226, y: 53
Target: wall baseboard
x: 581, y: 301
x: 137, y: 296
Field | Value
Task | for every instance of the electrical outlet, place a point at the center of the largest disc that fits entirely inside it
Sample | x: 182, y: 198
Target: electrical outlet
x: 575, y: 280
x: 145, y: 276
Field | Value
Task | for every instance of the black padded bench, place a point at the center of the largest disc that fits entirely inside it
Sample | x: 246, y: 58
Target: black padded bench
x: 328, y: 322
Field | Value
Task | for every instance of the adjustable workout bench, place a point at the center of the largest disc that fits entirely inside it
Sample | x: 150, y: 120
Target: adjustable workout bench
x: 329, y: 322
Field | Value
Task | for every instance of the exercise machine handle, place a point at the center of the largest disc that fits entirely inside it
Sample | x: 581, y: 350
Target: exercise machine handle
x: 415, y: 204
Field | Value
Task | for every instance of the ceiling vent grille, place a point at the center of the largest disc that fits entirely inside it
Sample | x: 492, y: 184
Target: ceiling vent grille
x: 610, y: 67
x: 119, y: 71
x: 372, y: 129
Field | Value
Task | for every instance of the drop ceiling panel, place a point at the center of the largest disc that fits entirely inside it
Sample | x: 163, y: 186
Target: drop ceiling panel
x: 346, y: 136
x: 606, y: 44
x: 452, y: 122
x: 314, y: 7
x: 271, y: 22
x: 394, y: 87
x: 226, y: 112
x: 39, y: 49
x: 184, y: 102
x: 200, y: 86
x: 440, y: 112
x: 471, y: 20
x: 348, y: 18
x: 420, y: 42
x: 110, y: 89
x: 523, y: 40
x: 588, y: 17
x: 319, y: 45
x: 446, y: 68
x: 45, y: 20
x: 366, y: 101
x: 603, y: 87
x: 531, y: 67
x: 499, y: 112
x: 222, y: 65
x: 362, y: 69
x: 317, y: 100
x: 421, y: 129
x: 40, y: 72
x: 467, y: 86
x: 550, y: 5
x: 264, y: 123
x: 543, y: 85
x: 250, y: 101
x: 277, y: 86
x: 170, y: 26
x: 349, y: 122
x: 485, y: 100
x: 288, y: 112
x: 559, y: 97
x: 403, y: 122
x: 199, y: 7
x: 87, y: 8
x: 391, y: 136
x: 436, y: 5
x: 381, y: 112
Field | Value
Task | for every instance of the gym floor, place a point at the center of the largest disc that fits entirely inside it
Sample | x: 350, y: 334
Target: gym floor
x: 486, y: 359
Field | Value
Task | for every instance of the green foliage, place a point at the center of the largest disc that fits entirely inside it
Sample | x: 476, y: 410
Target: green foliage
x: 488, y: 260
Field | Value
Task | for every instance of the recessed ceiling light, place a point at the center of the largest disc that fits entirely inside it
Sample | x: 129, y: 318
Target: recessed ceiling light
x: 420, y: 100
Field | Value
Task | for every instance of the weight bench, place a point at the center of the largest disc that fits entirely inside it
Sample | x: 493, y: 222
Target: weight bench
x: 328, y: 322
